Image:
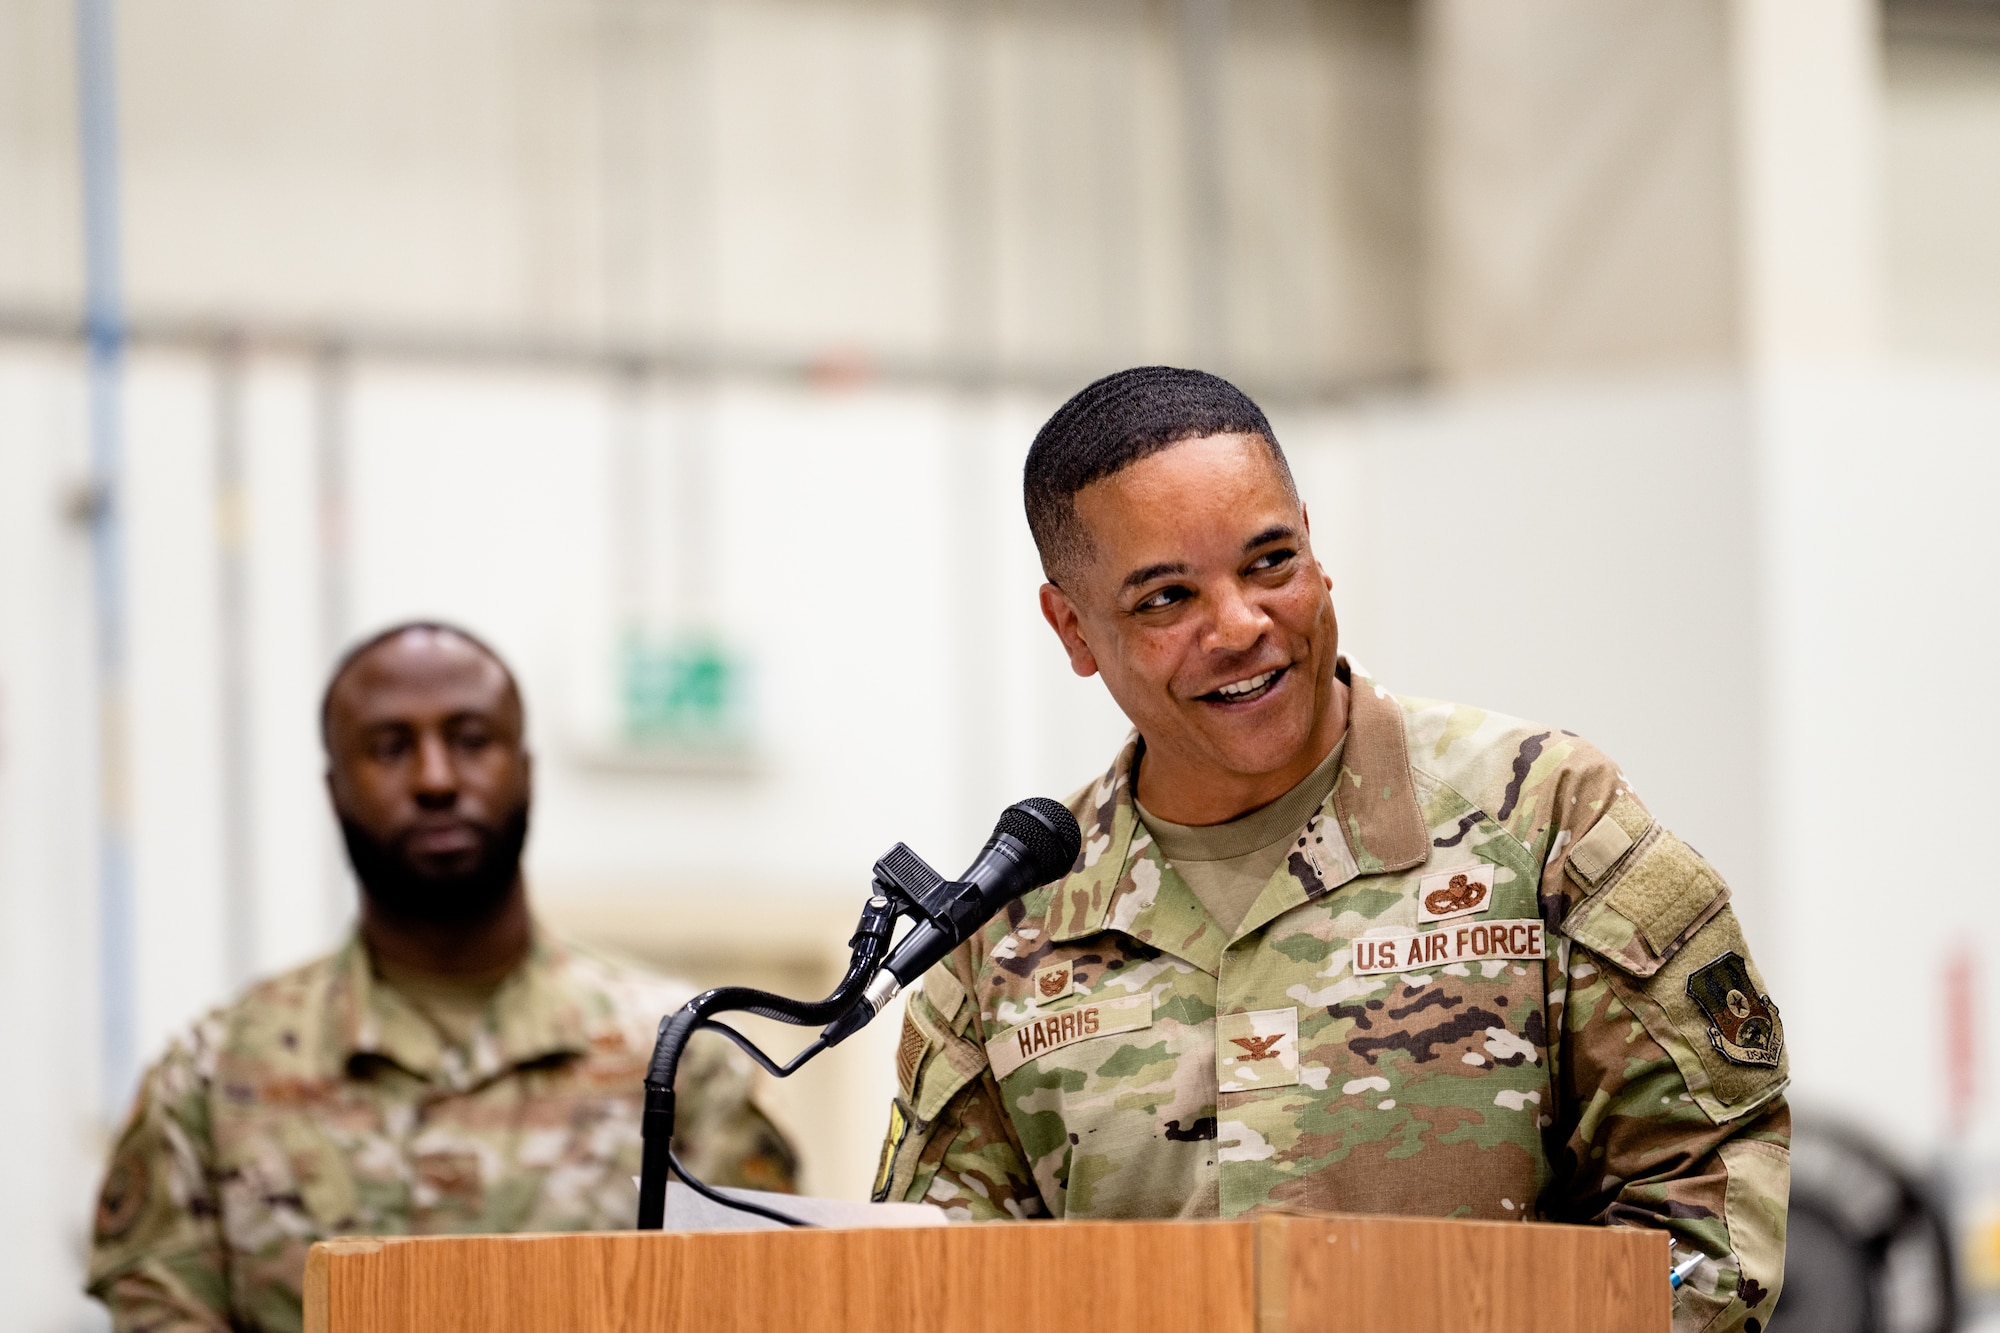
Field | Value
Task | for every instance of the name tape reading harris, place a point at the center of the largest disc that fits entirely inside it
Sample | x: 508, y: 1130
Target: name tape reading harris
x: 1100, y: 1018
x: 1486, y: 942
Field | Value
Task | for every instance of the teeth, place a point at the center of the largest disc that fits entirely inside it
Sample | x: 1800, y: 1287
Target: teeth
x: 1243, y: 687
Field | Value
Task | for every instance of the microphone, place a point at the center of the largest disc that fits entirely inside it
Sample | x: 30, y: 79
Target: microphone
x: 1034, y: 843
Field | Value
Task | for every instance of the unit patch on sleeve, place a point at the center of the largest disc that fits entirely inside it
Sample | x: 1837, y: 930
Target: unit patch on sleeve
x: 1457, y: 892
x: 1483, y: 941
x: 1259, y: 1049
x: 1742, y: 1024
x: 1099, y: 1018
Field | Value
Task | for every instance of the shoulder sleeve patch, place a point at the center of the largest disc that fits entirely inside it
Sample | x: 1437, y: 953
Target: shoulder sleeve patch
x: 1659, y: 894
x: 1708, y: 1007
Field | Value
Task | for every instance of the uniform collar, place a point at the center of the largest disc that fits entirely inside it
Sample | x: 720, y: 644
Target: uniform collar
x: 1373, y: 804
x: 534, y: 1016
x: 1375, y: 796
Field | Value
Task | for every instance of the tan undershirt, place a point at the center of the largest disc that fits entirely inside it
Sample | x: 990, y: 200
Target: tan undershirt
x: 456, y: 1005
x: 1228, y: 865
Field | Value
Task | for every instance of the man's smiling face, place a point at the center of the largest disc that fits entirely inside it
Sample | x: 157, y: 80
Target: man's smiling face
x: 1202, y: 607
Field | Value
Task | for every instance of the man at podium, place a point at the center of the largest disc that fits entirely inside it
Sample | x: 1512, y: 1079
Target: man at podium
x: 452, y: 1068
x: 1327, y: 946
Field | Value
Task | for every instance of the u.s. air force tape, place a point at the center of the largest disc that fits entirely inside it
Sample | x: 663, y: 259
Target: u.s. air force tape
x: 1488, y: 940
x: 1093, y: 1018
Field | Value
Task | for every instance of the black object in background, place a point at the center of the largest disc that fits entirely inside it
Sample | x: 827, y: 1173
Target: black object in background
x: 1868, y: 1249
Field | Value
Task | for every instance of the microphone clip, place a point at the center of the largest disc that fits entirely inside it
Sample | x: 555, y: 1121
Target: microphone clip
x: 950, y: 905
x: 905, y: 886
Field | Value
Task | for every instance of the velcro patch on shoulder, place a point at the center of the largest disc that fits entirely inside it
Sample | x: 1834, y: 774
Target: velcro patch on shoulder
x: 1613, y: 835
x: 1660, y: 893
x: 1665, y: 891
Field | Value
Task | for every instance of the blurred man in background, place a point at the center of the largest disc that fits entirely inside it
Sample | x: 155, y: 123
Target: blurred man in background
x: 451, y: 1069
x: 1328, y: 947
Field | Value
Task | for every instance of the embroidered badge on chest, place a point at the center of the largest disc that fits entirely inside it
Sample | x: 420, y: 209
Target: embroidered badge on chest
x: 1461, y: 891
x: 1053, y: 982
x: 1259, y: 1049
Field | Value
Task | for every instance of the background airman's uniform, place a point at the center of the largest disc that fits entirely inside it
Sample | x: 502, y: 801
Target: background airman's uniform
x: 1486, y: 983
x: 323, y: 1103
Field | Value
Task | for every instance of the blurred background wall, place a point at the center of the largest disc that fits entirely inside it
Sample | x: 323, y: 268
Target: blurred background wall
x: 1639, y: 359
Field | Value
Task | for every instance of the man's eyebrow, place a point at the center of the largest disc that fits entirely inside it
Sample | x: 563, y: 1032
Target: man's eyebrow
x: 1151, y: 572
x: 1276, y: 532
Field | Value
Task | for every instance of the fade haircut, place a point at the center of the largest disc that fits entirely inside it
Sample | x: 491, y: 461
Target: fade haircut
x: 382, y: 636
x: 1112, y: 424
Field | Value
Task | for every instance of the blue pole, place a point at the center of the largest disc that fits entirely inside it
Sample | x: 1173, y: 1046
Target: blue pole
x: 104, y: 328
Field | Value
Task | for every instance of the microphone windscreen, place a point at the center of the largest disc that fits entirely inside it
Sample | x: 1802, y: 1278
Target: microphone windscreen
x: 1048, y: 830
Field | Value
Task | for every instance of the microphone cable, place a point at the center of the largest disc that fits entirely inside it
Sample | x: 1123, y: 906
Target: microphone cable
x: 1035, y: 842
x: 714, y: 1195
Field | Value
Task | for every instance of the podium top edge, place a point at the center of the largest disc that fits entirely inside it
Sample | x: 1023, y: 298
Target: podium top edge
x: 355, y: 1245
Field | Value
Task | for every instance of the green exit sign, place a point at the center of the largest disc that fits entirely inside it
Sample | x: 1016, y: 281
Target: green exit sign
x: 684, y: 692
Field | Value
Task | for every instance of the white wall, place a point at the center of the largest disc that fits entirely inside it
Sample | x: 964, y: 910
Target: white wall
x: 51, y: 1130
x: 1941, y: 198
x: 789, y: 177
x: 1881, y: 557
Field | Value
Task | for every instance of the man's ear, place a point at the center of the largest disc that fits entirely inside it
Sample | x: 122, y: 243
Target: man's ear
x: 1062, y: 616
x: 1306, y: 519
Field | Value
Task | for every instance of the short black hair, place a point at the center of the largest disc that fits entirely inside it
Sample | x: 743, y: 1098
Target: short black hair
x: 1113, y: 423
x: 382, y: 636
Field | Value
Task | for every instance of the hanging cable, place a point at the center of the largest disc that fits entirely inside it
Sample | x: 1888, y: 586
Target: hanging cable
x: 869, y: 945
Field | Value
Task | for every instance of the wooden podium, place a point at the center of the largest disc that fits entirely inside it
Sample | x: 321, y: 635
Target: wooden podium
x: 1276, y: 1273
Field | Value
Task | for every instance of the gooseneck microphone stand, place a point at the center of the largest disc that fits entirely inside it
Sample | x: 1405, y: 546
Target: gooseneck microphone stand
x: 904, y: 886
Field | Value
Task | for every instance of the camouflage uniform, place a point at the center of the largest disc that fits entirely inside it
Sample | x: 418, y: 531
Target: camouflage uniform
x: 1486, y: 984
x: 322, y: 1104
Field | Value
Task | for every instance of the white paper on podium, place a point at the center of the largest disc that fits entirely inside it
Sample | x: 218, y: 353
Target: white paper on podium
x: 688, y: 1211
